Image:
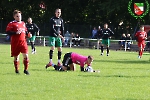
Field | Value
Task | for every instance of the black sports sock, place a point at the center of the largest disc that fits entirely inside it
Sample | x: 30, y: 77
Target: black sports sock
x: 32, y: 45
x: 102, y: 49
x: 50, y: 54
x: 59, y: 55
x: 107, y: 50
x: 82, y: 68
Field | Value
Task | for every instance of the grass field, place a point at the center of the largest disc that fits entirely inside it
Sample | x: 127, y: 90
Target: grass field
x: 123, y: 77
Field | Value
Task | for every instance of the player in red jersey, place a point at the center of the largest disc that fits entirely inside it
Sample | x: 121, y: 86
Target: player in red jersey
x: 141, y: 36
x: 18, y: 31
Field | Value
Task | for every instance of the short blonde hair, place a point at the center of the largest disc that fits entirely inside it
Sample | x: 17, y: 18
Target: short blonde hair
x: 90, y: 57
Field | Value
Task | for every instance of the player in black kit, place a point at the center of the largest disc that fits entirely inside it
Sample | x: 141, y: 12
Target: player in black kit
x: 56, y: 36
x: 34, y: 30
x: 106, y: 35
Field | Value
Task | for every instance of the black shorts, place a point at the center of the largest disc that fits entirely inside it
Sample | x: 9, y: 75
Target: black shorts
x: 67, y: 60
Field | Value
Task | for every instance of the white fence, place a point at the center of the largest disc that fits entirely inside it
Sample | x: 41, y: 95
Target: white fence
x: 44, y: 40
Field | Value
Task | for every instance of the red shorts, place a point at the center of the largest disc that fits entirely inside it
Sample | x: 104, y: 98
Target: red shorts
x: 141, y: 45
x: 18, y: 47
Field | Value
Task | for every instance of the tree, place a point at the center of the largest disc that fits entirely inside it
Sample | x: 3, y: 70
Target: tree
x: 79, y: 12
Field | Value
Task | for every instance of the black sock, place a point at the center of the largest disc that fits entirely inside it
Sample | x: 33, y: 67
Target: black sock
x: 59, y: 55
x: 101, y: 49
x: 107, y: 50
x: 32, y: 45
x: 50, y: 54
x: 82, y: 68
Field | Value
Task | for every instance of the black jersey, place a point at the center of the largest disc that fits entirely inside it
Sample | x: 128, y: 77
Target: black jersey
x: 99, y: 34
x: 56, y: 25
x: 33, y: 28
x: 128, y: 38
x: 123, y: 38
x: 106, y: 33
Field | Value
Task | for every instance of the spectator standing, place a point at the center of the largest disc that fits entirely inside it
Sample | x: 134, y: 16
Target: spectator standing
x: 7, y: 39
x: 94, y: 32
x: 106, y: 35
x: 17, y: 29
x: 99, y: 36
x: 141, y: 36
x: 122, y: 41
x: 99, y: 33
x: 56, y: 36
x: 67, y: 38
x: 34, y: 30
x: 128, y: 41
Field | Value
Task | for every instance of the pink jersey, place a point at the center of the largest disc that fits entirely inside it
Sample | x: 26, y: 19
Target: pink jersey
x: 79, y: 59
x: 141, y: 36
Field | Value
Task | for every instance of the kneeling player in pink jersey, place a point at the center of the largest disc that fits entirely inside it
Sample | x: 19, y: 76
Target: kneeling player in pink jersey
x: 70, y: 59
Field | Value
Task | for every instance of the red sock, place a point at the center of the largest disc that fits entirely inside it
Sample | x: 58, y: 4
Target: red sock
x: 16, y: 64
x: 26, y: 63
x: 141, y: 52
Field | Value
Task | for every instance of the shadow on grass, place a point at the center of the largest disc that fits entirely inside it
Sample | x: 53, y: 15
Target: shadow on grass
x: 38, y: 69
x: 128, y: 68
x: 125, y: 61
x: 9, y: 73
x: 12, y: 74
x: 146, y: 53
x: 109, y: 76
x: 48, y: 70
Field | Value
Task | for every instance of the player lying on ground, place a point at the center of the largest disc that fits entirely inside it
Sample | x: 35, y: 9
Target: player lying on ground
x: 70, y: 59
x: 87, y: 69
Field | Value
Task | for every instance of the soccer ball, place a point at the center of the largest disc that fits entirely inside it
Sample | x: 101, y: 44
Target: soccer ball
x: 89, y: 69
x: 29, y: 35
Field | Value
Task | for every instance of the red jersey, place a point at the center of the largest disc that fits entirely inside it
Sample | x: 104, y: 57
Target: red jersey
x: 141, y: 36
x: 14, y: 26
x: 18, y: 41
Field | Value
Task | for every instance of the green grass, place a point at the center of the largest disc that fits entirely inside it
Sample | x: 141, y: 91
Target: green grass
x: 122, y: 77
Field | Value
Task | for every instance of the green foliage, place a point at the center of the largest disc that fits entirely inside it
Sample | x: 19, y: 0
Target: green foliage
x: 122, y: 77
x: 75, y: 11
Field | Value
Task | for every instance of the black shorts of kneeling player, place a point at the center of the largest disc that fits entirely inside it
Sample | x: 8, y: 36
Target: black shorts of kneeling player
x: 59, y: 68
x: 67, y: 60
